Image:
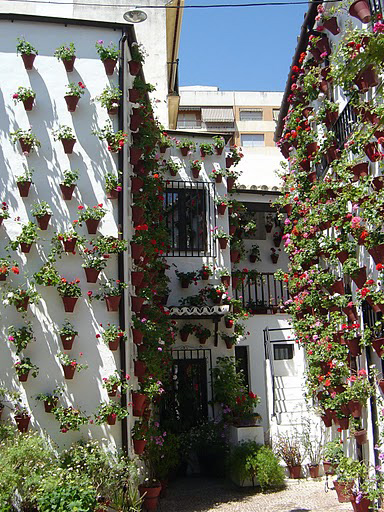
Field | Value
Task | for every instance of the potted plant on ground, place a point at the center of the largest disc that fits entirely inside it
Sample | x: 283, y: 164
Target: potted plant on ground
x: 111, y: 291
x: 312, y: 441
x: 91, y: 216
x: 28, y: 140
x: 68, y: 184
x: 26, y: 95
x: 65, y: 134
x: 70, y: 366
x: 288, y: 448
x: 206, y: 150
x: 42, y: 211
x: 112, y: 335
x: 69, y: 418
x: 218, y: 144
x: 22, y: 418
x: 186, y: 278
x: 67, y: 334
x: 109, y: 412
x: 28, y: 52
x: 24, y: 367
x: 73, y: 94
x: 24, y: 182
x: 186, y: 146
x: 196, y: 168
x: 115, y: 140
x: 110, y: 99
x: 21, y: 297
x: 50, y: 399
x: 69, y: 291
x: 113, y: 185
x: 26, y: 238
x: 67, y: 54
x: 21, y: 336
x: 47, y: 275
x: 108, y: 54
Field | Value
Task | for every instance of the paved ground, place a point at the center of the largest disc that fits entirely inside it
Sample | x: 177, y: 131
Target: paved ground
x: 217, y: 495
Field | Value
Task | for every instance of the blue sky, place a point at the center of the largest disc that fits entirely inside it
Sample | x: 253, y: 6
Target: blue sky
x: 245, y: 48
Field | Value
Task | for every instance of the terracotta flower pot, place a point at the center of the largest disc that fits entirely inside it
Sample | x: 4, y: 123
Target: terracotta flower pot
x: 111, y: 419
x: 314, y: 471
x: 92, y: 225
x: 138, y: 215
x: 367, y: 78
x: 354, y: 347
x: 360, y: 10
x: 136, y: 122
x: 69, y: 245
x: 22, y: 305
x: 28, y: 104
x: 344, y: 490
x: 25, y: 146
x: 69, y: 371
x: 355, y: 408
x: 137, y: 336
x: 133, y: 95
x: 113, y: 390
x: 195, y: 173
x: 378, y: 345
x: 184, y: 336
x: 294, y: 471
x: 223, y: 242
x: 69, y: 303
x: 139, y: 446
x: 344, y: 423
x: 109, y: 65
x: 71, y: 102
x: 138, y: 401
x: 184, y: 151
x: 136, y: 250
x: 338, y: 287
x: 312, y: 148
x: 43, y: 221
x: 91, y: 274
x: 23, y: 377
x: 24, y: 188
x: 67, y: 342
x: 232, y: 229
x: 359, y: 171
x: 332, y: 25
x: 137, y: 278
x: 69, y: 63
x: 112, y: 111
x: 228, y: 162
x: 25, y: 248
x: 328, y: 468
x: 136, y: 184
x: 134, y: 67
x: 235, y: 255
x: 372, y: 151
x: 361, y: 437
x: 151, y: 496
x: 221, y: 209
x: 226, y: 280
x: 114, y: 344
x: 68, y: 145
x: 360, y: 278
x: 67, y: 191
x: 113, y: 302
x: 22, y: 423
x: 342, y: 256
x: 219, y: 151
x: 48, y: 406
x: 140, y: 368
x: 381, y: 385
x: 137, y: 303
x: 28, y: 60
x: 135, y: 154
x: 327, y: 420
x: 230, y: 183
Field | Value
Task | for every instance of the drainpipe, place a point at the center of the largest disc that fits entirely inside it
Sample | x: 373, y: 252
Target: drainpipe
x: 120, y: 222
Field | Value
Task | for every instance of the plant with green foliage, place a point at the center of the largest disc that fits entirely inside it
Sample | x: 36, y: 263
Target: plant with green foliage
x: 70, y: 177
x: 41, y: 209
x: 24, y: 47
x: 25, y: 366
x: 65, y: 51
x: 63, y: 133
x: 110, y: 408
x: 110, y: 97
x: 28, y: 235
x: 288, y: 447
x: 107, y: 52
x: 23, y: 94
x: 27, y: 137
x: 20, y: 336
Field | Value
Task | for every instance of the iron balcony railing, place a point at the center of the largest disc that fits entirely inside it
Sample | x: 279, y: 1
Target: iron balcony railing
x: 376, y: 7
x: 345, y: 125
x: 181, y: 124
x: 262, y: 293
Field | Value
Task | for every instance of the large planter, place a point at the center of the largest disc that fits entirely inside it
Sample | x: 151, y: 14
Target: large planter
x: 92, y: 225
x: 138, y: 400
x: 71, y: 102
x: 24, y: 188
x: 151, y: 496
x: 67, y: 342
x: 69, y: 303
x: 112, y: 302
x: 134, y: 67
x: 67, y: 191
x: 360, y: 10
x: 69, y: 371
x: 294, y: 471
x: 139, y: 446
x: 137, y: 303
x: 22, y: 423
x: 344, y: 490
x: 69, y: 63
x: 109, y: 65
x: 43, y: 221
x: 68, y: 145
x: 91, y: 274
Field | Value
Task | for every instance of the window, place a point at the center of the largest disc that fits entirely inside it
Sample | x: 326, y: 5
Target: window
x: 275, y: 114
x: 251, y: 115
x: 282, y: 351
x: 188, y: 120
x: 241, y: 356
x: 252, y: 140
x: 189, y: 212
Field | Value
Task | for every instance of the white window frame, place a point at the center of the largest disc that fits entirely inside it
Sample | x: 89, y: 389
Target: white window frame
x: 257, y: 143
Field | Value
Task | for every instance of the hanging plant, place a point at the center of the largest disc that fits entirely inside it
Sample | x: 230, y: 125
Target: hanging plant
x: 110, y: 98
x: 68, y: 184
x: 24, y: 367
x: 47, y: 275
x: 28, y: 52
x: 108, y: 54
x: 67, y: 137
x: 42, y: 211
x: 70, y: 418
x: 67, y: 54
x: 112, y: 184
x: 109, y: 412
x: 21, y: 336
x: 28, y: 140
x: 115, y: 140
x: 26, y: 95
x: 26, y: 238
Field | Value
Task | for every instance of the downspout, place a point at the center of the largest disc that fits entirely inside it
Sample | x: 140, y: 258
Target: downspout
x: 122, y: 167
x: 174, y: 46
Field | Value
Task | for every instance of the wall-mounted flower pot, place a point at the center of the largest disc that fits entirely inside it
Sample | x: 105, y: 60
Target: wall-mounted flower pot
x: 69, y: 245
x: 372, y: 151
x: 136, y: 250
x: 139, y: 445
x: 377, y: 253
x: 323, y: 45
x: 137, y: 214
x: 360, y: 277
x: 133, y: 95
x: 136, y: 184
x: 69, y: 371
x: 221, y: 209
x: 359, y: 171
x: 25, y: 248
x: 274, y: 258
x: 138, y: 401
x: 338, y: 287
x: 360, y: 10
x: 223, y: 242
x: 218, y: 151
x: 43, y: 221
x: 378, y: 345
x: 22, y: 423
x: 323, y: 86
x: 134, y: 67
x: 202, y: 340
x: 367, y: 78
x: 69, y: 303
x: 226, y: 280
x: 23, y: 377
x: 312, y: 177
x: 137, y: 303
x: 230, y: 183
x: 113, y: 302
x: 111, y: 419
x: 235, y: 256
x: 71, y: 102
x: 67, y: 191
x: 354, y: 347
x: 113, y: 194
x: 28, y: 103
x: 229, y: 162
x: 135, y: 154
x: 140, y: 368
x: 184, y: 335
x: 113, y: 390
x: 195, y: 173
x: 316, y: 55
x: 25, y: 146
x: 48, y: 406
x: 184, y: 151
x: 137, y: 278
x: 326, y: 420
x: 112, y: 111
x: 332, y: 25
x: 136, y: 122
x: 333, y: 153
x: 137, y: 336
x: 355, y: 408
x: 68, y: 145
x: 284, y: 149
x: 69, y: 63
x: 28, y: 60
x: 67, y: 341
x: 92, y: 225
x: 24, y: 188
x: 344, y: 423
x: 305, y: 164
x: 312, y: 148
x: 22, y: 304
x: 114, y: 344
x: 91, y: 274
x: 109, y: 65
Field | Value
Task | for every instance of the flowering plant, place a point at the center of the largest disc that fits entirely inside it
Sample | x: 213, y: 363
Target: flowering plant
x: 23, y: 93
x: 65, y: 52
x: 188, y: 277
x: 187, y: 329
x: 63, y: 133
x: 6, y: 266
x: 152, y: 388
x: 69, y: 288
x: 111, y: 332
x: 70, y: 177
x: 67, y: 330
x: 173, y: 167
x: 110, y: 97
x: 217, y: 172
x: 28, y: 235
x: 202, y: 332
x: 26, y: 177
x: 25, y: 366
x: 140, y: 431
x: 207, y: 149
x: 111, y: 288
x: 109, y: 244
x: 47, y: 275
x: 21, y: 336
x: 220, y: 233
x: 20, y: 411
x: 233, y: 173
x: 24, y: 47
x: 112, y: 181
x: 17, y: 296
x: 224, y: 272
x: 93, y: 258
x: 115, y: 140
x: 360, y: 388
x: 196, y: 164
x: 96, y: 212
x: 116, y: 380
x: 69, y: 418
x: 41, y: 209
x: 107, y: 52
x: 50, y: 398
x: 110, y: 408
x: 75, y: 89
x: 165, y: 141
x: 206, y: 271
x: 236, y: 154
x: 186, y: 143
x: 65, y: 360
x: 218, y: 141
x: 27, y: 137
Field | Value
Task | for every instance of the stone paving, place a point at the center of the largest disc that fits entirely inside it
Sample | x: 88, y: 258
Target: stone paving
x: 217, y: 495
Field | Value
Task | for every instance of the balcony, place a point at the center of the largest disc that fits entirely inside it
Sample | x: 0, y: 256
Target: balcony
x: 345, y: 125
x: 262, y: 295
x: 188, y: 125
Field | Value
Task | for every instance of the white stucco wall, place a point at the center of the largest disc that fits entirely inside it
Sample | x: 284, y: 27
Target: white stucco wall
x: 48, y: 79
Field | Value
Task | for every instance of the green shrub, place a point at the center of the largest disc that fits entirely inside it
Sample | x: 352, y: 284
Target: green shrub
x: 268, y: 470
x: 66, y: 493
